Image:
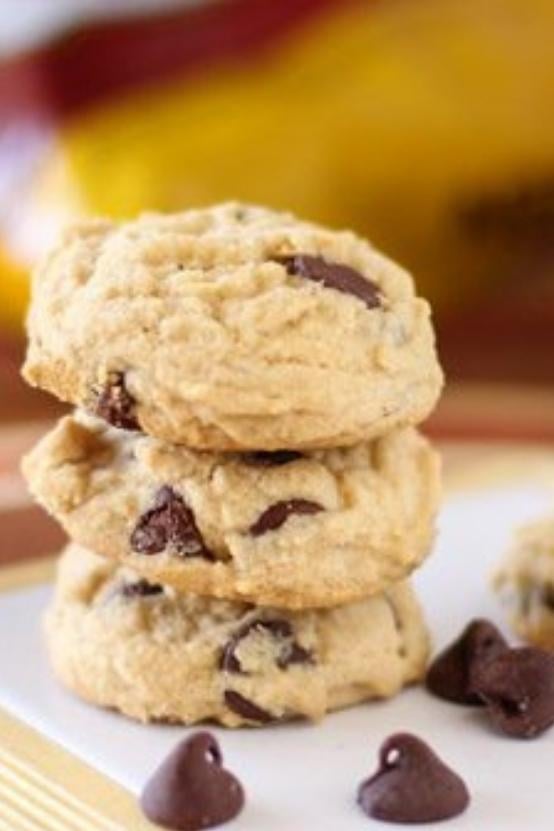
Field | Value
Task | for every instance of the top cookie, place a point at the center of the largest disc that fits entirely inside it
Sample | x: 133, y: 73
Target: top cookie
x: 232, y: 328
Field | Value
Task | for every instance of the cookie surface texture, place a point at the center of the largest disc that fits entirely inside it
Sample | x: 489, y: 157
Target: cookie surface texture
x: 290, y: 529
x: 232, y: 327
x: 120, y: 642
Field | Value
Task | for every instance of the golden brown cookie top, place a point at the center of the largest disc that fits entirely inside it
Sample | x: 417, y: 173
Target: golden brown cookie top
x: 232, y: 327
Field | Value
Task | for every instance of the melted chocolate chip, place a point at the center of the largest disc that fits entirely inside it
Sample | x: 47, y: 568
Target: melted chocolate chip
x: 271, y: 458
x: 191, y: 790
x: 517, y: 687
x: 169, y: 523
x: 290, y: 652
x: 412, y: 785
x: 451, y: 673
x: 278, y: 513
x: 116, y: 405
x: 142, y: 588
x: 245, y: 708
x: 333, y: 276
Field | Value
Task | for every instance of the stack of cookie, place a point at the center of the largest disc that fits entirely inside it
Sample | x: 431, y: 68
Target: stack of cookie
x: 243, y: 464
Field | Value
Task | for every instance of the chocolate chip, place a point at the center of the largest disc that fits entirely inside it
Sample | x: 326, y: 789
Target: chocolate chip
x: 412, y: 784
x: 278, y: 513
x: 116, y: 405
x: 294, y: 654
x: 517, y: 687
x: 332, y: 276
x: 245, y: 708
x: 451, y: 673
x: 547, y: 597
x: 290, y: 652
x: 533, y: 596
x: 191, y: 789
x: 169, y: 523
x: 271, y: 458
x: 142, y: 588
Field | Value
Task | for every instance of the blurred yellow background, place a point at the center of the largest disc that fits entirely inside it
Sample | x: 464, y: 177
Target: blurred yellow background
x: 426, y: 125
x: 399, y: 119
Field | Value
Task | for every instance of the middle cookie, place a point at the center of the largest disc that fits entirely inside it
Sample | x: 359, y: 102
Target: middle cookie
x: 282, y: 528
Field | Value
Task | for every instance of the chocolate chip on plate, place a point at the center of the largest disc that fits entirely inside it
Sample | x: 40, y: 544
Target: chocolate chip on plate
x: 290, y: 651
x: 278, y: 513
x: 412, y: 785
x: 116, y: 405
x: 191, y: 789
x: 517, y: 687
x: 451, y: 673
x: 140, y: 588
x: 169, y: 523
x: 271, y: 458
x: 336, y: 276
x: 245, y: 708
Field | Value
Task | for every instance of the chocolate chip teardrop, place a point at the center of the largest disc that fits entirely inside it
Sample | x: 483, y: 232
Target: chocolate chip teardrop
x: 451, y: 673
x: 412, y: 785
x: 191, y: 789
x: 517, y: 687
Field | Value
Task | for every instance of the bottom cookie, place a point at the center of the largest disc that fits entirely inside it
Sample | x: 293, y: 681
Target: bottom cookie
x: 120, y: 642
x: 525, y: 583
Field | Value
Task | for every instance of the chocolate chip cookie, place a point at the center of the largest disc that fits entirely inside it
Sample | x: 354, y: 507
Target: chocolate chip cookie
x: 285, y: 528
x: 121, y: 642
x: 232, y: 328
x: 525, y: 583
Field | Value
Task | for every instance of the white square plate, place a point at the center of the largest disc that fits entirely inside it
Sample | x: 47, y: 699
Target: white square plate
x: 300, y: 777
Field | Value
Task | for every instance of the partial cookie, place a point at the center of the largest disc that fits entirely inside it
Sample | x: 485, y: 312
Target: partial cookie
x: 120, y: 642
x: 525, y: 582
x: 285, y: 529
x: 232, y: 327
